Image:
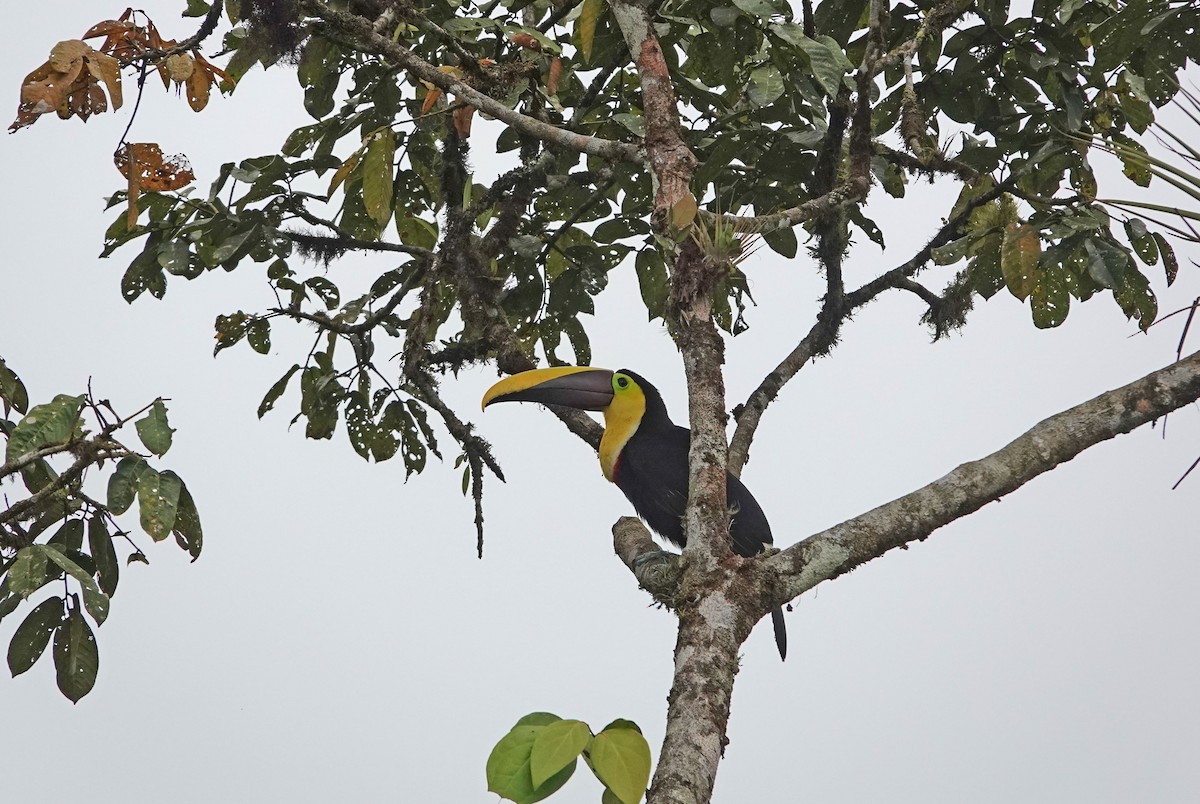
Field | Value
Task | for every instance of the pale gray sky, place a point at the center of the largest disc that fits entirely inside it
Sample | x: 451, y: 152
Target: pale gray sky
x: 338, y: 640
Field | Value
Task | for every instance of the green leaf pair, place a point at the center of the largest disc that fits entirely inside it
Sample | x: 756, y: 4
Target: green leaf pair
x: 540, y: 753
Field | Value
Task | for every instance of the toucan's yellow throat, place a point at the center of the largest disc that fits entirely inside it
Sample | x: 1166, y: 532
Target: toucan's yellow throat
x: 614, y: 393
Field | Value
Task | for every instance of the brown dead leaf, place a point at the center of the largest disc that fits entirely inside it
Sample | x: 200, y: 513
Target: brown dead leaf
x: 145, y: 168
x: 553, y: 75
x: 463, y: 116
x: 431, y: 99
x: 68, y: 83
x: 108, y: 28
x: 105, y: 68
x: 67, y: 53
x: 199, y: 84
x: 144, y: 163
x: 45, y: 90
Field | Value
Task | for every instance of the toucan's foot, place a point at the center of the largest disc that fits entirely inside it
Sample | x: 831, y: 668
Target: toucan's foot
x: 655, y: 557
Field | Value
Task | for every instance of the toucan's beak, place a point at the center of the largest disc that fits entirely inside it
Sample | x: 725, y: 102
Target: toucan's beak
x: 573, y: 386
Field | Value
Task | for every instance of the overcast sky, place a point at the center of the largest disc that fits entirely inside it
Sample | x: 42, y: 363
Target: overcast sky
x: 339, y: 641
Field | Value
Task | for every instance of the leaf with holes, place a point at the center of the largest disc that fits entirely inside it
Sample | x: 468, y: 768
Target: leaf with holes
x: 158, y: 502
x: 153, y: 429
x: 76, y: 658
x: 100, y: 544
x: 32, y: 636
x: 377, y: 175
x: 55, y: 422
x: 94, y: 600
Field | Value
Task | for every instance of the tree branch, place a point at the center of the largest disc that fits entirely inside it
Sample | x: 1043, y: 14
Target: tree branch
x: 360, y: 30
x: 966, y: 489
x: 88, y: 452
x: 749, y: 414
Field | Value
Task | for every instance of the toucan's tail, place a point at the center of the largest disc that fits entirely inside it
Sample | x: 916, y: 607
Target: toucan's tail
x: 780, y: 632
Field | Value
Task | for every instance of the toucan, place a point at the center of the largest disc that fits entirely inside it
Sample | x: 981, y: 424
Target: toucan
x: 643, y: 452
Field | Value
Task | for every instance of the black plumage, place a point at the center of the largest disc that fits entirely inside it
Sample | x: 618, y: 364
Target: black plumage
x: 652, y: 473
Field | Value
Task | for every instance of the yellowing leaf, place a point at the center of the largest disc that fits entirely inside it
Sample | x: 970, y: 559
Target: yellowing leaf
x: 377, y: 175
x: 344, y: 170
x: 1020, y: 249
x: 683, y: 211
x: 585, y: 26
x: 621, y: 759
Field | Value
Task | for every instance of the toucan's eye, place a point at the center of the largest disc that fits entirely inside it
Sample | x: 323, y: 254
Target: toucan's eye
x: 622, y: 382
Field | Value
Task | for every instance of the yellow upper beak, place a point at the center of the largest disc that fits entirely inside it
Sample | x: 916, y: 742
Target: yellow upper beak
x: 580, y: 387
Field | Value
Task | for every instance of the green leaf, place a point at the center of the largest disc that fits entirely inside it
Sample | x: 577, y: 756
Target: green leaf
x: 174, y: 256
x: 326, y: 290
x: 52, y: 423
x: 508, y: 771
x: 360, y: 426
x: 69, y: 536
x: 12, y: 390
x: 577, y: 335
x: 537, y: 719
x: 1050, y: 300
x: 766, y: 85
x: 622, y: 723
x: 27, y: 573
x: 652, y: 279
x: 196, y: 8
x: 276, y: 391
x: 757, y: 8
x: 825, y: 57
x: 585, y: 26
x: 1136, y: 299
x: 158, y: 502
x: 230, y: 330
x: 188, y: 533
x: 1106, y: 263
x: 225, y: 249
x: 782, y: 241
x: 558, y: 745
x: 1134, y: 160
x: 1170, y: 263
x: 75, y: 656
x: 32, y: 636
x: 154, y: 431
x: 621, y: 759
x: 415, y: 231
x: 377, y: 174
x: 1143, y: 243
x: 258, y: 335
x: 95, y: 600
x: 100, y: 544
x: 122, y: 486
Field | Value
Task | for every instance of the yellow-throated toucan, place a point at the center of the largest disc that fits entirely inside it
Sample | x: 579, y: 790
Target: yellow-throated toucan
x: 642, y: 451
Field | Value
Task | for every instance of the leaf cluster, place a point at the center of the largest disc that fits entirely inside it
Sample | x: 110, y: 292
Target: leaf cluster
x: 56, y: 531
x: 540, y: 753
x: 1008, y: 104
